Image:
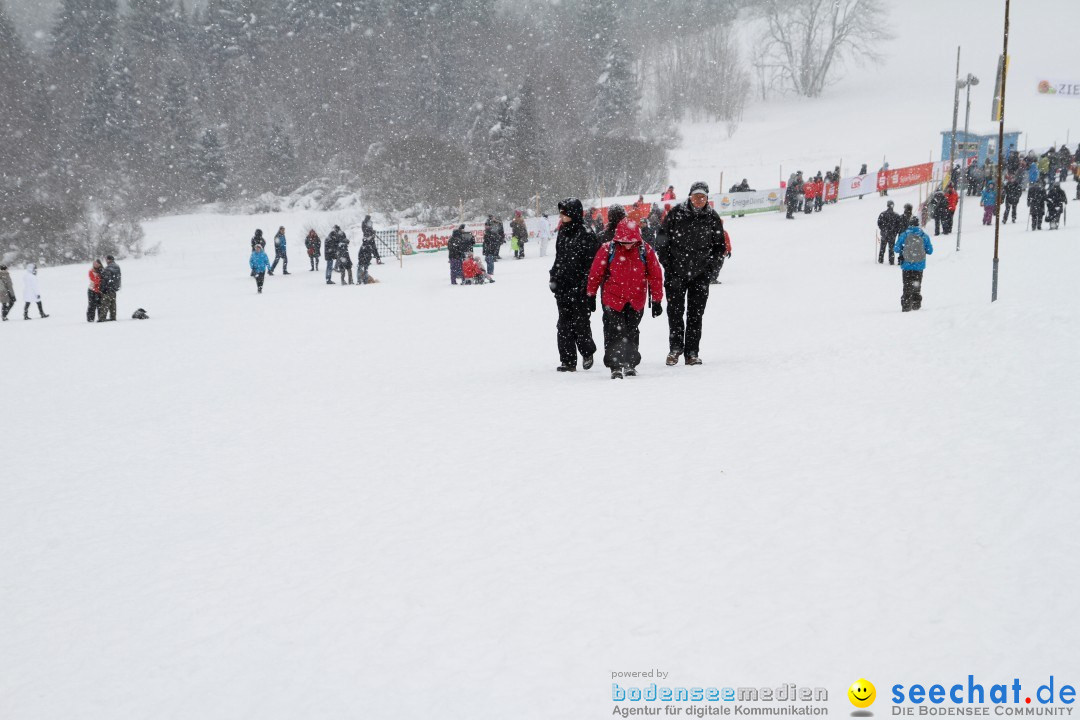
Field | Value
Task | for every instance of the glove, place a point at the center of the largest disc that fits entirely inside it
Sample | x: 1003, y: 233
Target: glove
x: 728, y: 255
x: 657, y: 309
x: 553, y: 286
x: 592, y: 303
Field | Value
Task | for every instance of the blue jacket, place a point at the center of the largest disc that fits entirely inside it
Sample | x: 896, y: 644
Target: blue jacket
x: 1033, y: 173
x: 259, y: 262
x: 899, y: 248
x: 279, y: 243
x: 989, y: 198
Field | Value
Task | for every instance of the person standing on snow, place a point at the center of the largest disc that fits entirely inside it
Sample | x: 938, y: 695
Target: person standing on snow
x: 330, y: 252
x: 691, y: 243
x: 791, y: 197
x: 575, y: 248
x: 7, y: 293
x: 368, y: 231
x: 314, y: 248
x: 257, y: 239
x: 455, y: 250
x: 913, y: 245
x: 989, y: 203
x: 952, y: 199
x: 110, y: 285
x: 519, y: 235
x: 93, y: 294
x: 259, y: 264
x: 889, y: 226
x: 280, y: 253
x: 629, y: 273
x: 715, y: 278
x: 343, y: 263
x: 491, y: 243
x: 31, y: 292
x: 1036, y: 201
x: 1055, y: 204
x: 939, y: 210
x: 543, y: 234
x: 1013, y: 191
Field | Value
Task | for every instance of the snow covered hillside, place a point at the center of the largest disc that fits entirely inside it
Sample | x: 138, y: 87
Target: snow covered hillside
x: 899, y: 108
x: 382, y: 501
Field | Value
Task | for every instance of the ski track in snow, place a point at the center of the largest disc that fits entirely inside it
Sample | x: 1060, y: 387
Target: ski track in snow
x: 382, y: 501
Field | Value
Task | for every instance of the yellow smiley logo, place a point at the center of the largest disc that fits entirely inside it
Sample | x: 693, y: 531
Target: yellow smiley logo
x: 862, y: 693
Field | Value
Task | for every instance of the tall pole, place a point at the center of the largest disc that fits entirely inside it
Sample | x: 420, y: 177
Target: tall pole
x: 1001, y: 141
x: 967, y: 119
x: 955, y: 114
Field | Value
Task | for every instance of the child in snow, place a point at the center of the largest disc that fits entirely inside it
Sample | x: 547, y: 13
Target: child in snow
x: 259, y: 265
x: 629, y: 272
x: 474, y: 272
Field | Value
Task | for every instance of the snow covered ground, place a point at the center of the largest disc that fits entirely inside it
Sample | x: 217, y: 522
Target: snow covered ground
x: 382, y: 501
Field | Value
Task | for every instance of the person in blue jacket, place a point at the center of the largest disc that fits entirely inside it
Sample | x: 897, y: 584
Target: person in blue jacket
x: 913, y: 246
x: 259, y: 265
x: 989, y: 203
x: 280, y: 252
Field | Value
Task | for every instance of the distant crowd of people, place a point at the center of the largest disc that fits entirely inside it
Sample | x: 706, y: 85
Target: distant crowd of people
x: 335, y: 252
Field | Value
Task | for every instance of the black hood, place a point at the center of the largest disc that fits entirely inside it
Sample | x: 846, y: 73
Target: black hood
x: 571, y: 207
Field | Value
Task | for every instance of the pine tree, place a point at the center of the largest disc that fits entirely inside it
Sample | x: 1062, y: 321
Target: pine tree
x: 83, y: 36
x: 212, y: 168
x: 281, y: 160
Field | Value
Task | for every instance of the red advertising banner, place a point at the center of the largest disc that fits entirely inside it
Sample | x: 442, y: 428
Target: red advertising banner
x: 906, y: 176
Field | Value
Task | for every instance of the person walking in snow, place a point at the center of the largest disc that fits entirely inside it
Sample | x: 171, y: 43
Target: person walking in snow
x: 989, y: 203
x: 519, y: 235
x: 280, y: 253
x: 369, y: 242
x: 691, y: 243
x: 1036, y: 201
x: 31, y: 292
x: 314, y: 248
x: 791, y: 197
x: 575, y: 248
x: 93, y: 294
x: 543, y: 234
x: 629, y: 274
x: 343, y: 261
x: 330, y: 251
x: 889, y: 225
x: 913, y: 245
x: 952, y: 200
x: 1013, y: 191
x: 7, y: 293
x: 1055, y: 204
x: 259, y: 264
x: 110, y: 286
x: 939, y: 210
x: 257, y: 239
x: 714, y: 279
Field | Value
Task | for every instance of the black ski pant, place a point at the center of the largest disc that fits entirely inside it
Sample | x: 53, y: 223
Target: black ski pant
x: 1010, y: 207
x: 108, y: 305
x: 714, y: 276
x: 93, y: 306
x: 574, y: 331
x: 1036, y: 221
x: 937, y: 226
x: 282, y: 257
x: 259, y: 277
x: 26, y: 310
x: 621, y: 337
x: 791, y: 205
x: 947, y: 221
x: 912, y: 296
x: 808, y: 207
x: 685, y: 310
x: 887, y: 242
x: 1053, y: 214
x: 6, y: 306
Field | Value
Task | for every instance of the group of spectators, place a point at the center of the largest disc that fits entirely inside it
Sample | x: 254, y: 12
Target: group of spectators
x: 335, y: 251
x: 808, y: 195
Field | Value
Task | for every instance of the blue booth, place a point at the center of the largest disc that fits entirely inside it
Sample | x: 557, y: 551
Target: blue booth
x: 977, y: 145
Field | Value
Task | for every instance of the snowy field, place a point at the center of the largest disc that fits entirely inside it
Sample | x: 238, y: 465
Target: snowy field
x: 382, y: 501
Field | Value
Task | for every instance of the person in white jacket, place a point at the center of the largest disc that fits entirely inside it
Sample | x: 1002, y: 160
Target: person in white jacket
x: 544, y: 234
x: 31, y: 291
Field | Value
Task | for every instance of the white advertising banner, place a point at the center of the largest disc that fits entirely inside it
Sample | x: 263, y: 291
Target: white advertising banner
x: 1060, y: 88
x: 858, y: 185
x: 748, y: 202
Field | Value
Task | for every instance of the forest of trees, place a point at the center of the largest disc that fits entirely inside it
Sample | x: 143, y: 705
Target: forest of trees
x: 157, y: 108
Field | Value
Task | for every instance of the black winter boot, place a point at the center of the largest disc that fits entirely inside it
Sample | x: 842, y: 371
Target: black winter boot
x: 41, y: 310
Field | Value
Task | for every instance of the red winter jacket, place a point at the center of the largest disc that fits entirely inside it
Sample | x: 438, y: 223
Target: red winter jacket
x: 809, y: 190
x: 95, y: 280
x: 727, y: 243
x: 626, y: 282
x: 953, y: 199
x: 471, y: 268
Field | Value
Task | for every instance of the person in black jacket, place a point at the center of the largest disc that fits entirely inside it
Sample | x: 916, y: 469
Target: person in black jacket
x: 455, y: 249
x: 369, y: 245
x: 1036, y: 201
x: 1055, y: 204
x: 615, y: 215
x: 889, y: 226
x: 110, y: 285
x: 575, y: 248
x: 691, y: 243
x: 1013, y: 191
x: 939, y: 210
x: 330, y: 251
x: 492, y: 242
x: 343, y: 262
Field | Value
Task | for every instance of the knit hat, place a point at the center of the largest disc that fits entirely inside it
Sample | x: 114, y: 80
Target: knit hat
x: 627, y: 232
x: 699, y: 187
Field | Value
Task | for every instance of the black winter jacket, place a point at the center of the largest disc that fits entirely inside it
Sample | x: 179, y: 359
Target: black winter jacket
x: 889, y: 223
x: 575, y: 248
x: 690, y: 243
x: 333, y: 241
x: 110, y: 278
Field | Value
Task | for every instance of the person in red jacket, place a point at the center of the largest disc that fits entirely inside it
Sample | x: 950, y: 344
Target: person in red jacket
x: 952, y: 199
x: 715, y: 279
x: 808, y: 196
x: 94, y: 310
x: 630, y: 274
x: 474, y: 272
x: 669, y: 194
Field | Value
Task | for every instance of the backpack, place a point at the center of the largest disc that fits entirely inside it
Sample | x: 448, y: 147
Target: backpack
x: 140, y: 314
x: 913, y: 250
